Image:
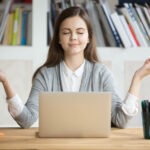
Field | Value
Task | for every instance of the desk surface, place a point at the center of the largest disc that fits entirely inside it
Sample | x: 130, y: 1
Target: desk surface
x: 120, y: 139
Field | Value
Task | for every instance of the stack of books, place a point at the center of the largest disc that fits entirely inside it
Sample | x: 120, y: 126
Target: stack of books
x: 126, y: 26
x: 16, y: 23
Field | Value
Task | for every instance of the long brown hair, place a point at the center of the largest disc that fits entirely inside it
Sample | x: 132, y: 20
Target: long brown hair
x: 56, y: 53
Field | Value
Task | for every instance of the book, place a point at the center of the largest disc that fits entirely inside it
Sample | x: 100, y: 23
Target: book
x: 107, y: 13
x: 24, y: 28
x: 105, y: 26
x: 142, y: 17
x: 49, y: 23
x: 147, y: 14
x: 127, y: 29
x: 15, y: 29
x: 140, y: 24
x: 95, y: 23
x: 19, y: 26
x: 4, y: 18
x: 29, y: 28
x: 127, y: 12
x: 6, y: 32
x: 11, y: 25
x: 1, y: 15
x: 123, y: 35
x: 133, y: 34
x: 121, y: 2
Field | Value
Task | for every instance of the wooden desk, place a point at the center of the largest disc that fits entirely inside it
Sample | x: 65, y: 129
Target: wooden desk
x: 120, y: 139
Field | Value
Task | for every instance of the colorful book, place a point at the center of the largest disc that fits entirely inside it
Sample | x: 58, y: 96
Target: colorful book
x: 127, y: 30
x: 6, y: 32
x: 105, y: 26
x: 128, y: 13
x: 15, y: 30
x: 90, y: 6
x: 4, y: 18
x: 19, y: 26
x: 11, y: 25
x: 142, y: 17
x: 107, y: 13
x: 121, y: 31
x: 29, y: 28
x: 134, y: 36
x: 24, y: 29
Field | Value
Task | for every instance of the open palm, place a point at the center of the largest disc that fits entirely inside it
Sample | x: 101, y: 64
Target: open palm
x: 2, y: 76
x: 144, y: 70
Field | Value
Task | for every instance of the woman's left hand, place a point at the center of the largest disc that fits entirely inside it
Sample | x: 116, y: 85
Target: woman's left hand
x: 144, y: 70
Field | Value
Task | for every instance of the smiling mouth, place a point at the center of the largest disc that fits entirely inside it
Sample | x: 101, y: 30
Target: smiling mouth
x: 73, y: 45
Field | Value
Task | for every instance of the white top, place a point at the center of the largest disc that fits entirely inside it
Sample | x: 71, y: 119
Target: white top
x: 72, y: 84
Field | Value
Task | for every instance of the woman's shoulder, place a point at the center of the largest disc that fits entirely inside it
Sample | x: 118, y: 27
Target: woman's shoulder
x: 100, y: 66
x: 45, y: 69
x: 45, y: 72
x: 102, y: 69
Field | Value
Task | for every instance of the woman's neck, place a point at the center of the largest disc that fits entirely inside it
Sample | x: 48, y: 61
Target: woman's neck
x: 74, y: 62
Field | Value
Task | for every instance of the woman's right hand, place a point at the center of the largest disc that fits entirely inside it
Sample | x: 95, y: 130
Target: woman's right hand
x: 139, y: 75
x: 3, y: 77
x: 7, y: 86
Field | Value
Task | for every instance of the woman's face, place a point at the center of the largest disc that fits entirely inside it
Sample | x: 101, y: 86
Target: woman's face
x: 73, y: 35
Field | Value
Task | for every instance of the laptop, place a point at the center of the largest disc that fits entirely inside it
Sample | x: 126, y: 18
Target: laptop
x: 70, y: 114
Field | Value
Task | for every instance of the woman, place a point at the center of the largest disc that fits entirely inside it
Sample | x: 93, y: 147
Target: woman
x: 72, y: 65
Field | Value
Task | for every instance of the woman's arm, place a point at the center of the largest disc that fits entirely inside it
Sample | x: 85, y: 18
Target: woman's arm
x: 118, y: 117
x: 7, y: 86
x: 138, y: 76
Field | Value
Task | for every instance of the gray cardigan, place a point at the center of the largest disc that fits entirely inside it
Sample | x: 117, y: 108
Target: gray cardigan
x: 96, y: 77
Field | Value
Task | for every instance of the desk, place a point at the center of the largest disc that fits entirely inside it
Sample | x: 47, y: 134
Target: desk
x: 120, y: 139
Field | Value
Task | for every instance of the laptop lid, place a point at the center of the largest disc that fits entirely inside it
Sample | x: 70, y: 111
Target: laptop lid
x: 65, y: 114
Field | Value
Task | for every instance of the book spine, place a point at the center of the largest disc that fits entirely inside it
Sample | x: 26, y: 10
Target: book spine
x: 140, y: 36
x: 126, y: 27
x: 23, y: 35
x: 29, y: 28
x: 134, y: 36
x: 19, y: 27
x: 115, y: 34
x: 11, y: 28
x: 14, y: 42
x: 4, y: 17
x: 6, y: 33
x: 120, y: 29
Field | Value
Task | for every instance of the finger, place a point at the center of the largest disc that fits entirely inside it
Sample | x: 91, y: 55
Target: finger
x: 147, y: 61
x: 1, y: 134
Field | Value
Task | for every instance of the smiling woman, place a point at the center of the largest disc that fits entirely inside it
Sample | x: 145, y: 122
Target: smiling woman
x: 72, y: 65
x: 73, y: 38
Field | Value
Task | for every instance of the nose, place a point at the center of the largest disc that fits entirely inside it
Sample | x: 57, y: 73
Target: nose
x: 73, y: 36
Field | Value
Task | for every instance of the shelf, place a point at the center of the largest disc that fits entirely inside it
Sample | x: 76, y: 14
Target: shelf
x: 123, y: 54
x: 16, y: 52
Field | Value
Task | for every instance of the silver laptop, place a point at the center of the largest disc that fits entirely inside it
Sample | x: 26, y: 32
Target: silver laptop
x: 65, y: 114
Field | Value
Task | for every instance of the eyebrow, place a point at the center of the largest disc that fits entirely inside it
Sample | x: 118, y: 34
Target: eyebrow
x: 76, y: 29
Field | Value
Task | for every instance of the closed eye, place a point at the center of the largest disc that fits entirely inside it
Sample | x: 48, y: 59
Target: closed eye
x: 80, y: 32
x: 66, y: 32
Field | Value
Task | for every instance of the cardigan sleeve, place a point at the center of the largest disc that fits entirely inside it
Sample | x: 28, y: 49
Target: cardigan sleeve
x: 29, y: 113
x: 118, y: 117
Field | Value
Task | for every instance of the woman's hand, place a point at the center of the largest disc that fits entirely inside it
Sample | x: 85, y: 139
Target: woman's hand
x: 3, y: 77
x: 144, y: 70
x: 138, y: 76
x: 8, y: 88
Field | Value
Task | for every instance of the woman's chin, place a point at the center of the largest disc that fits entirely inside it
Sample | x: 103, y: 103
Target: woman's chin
x: 74, y: 52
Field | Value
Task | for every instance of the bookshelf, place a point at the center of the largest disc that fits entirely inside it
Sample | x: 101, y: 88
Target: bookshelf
x: 16, y: 22
x: 123, y: 62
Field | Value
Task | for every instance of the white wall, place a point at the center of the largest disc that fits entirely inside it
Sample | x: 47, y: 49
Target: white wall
x: 123, y: 63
